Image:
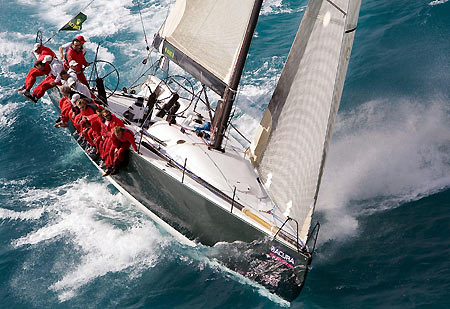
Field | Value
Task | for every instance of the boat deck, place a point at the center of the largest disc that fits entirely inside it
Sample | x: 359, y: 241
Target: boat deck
x: 229, y: 176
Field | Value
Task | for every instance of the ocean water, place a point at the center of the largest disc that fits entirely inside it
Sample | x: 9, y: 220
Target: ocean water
x: 69, y: 239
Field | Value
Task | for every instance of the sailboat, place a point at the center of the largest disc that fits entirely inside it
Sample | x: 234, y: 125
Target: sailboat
x: 193, y: 176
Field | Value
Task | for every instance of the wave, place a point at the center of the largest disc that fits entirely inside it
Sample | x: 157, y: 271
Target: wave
x: 8, y: 116
x: 102, y: 230
x: 383, y: 153
x: 278, y: 7
x: 436, y: 2
x: 105, y: 18
x: 15, y: 48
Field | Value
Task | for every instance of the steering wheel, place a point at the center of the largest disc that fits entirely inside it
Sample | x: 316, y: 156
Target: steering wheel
x: 108, y: 73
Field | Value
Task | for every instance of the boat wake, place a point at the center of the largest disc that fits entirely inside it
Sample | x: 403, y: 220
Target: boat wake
x: 90, y: 232
x: 80, y: 233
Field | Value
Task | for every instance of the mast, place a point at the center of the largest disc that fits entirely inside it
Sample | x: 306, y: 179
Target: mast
x: 223, y: 111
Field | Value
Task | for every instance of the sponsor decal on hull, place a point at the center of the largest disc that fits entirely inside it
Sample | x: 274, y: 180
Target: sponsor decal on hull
x: 280, y: 255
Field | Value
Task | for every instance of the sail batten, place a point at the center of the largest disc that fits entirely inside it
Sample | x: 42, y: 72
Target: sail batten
x: 205, y: 38
x: 293, y: 138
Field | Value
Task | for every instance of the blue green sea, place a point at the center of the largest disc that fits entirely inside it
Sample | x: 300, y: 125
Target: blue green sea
x: 68, y: 239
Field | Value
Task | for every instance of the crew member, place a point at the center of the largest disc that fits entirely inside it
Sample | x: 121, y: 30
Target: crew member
x: 63, y: 49
x: 41, y: 51
x: 84, y: 111
x: 50, y: 81
x: 65, y: 106
x: 96, y: 128
x: 80, y: 88
x: 76, y: 53
x: 111, y: 121
x: 116, y: 156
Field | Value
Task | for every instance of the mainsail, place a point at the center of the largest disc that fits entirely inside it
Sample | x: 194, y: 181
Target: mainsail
x: 205, y: 38
x: 292, y: 140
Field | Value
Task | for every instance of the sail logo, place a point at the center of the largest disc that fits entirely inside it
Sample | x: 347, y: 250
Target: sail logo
x: 169, y: 52
x: 281, y: 256
x: 75, y: 26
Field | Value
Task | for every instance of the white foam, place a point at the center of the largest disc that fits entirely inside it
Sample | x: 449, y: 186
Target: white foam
x: 278, y: 7
x: 436, y: 2
x: 105, y: 17
x: 15, y: 48
x: 383, y: 154
x: 7, y: 115
x: 86, y: 215
x: 196, y: 256
x: 20, y: 215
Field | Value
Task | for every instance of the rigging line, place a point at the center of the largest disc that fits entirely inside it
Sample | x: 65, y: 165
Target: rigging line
x: 143, y: 74
x: 289, y: 227
x: 142, y: 22
x: 338, y: 8
x: 87, y: 5
x: 240, y: 133
x: 218, y: 168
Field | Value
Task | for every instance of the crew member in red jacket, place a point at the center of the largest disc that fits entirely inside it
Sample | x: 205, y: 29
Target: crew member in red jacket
x: 97, y: 127
x: 50, y: 81
x: 41, y: 51
x: 111, y: 121
x: 65, y: 106
x: 124, y: 138
x: 76, y: 53
x: 84, y: 111
x: 85, y: 127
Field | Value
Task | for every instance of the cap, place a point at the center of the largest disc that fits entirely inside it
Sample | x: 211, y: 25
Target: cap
x: 71, y: 81
x: 75, y: 97
x: 73, y: 63
x: 81, y: 39
x: 36, y: 46
x: 47, y: 59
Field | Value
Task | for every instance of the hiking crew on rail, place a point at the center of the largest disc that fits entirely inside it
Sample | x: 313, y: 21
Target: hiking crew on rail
x: 101, y: 134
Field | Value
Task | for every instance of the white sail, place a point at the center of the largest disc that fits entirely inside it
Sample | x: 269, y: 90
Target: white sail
x: 292, y: 141
x: 205, y: 38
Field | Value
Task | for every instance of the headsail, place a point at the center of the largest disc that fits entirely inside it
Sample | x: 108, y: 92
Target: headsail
x: 205, y: 38
x: 293, y: 138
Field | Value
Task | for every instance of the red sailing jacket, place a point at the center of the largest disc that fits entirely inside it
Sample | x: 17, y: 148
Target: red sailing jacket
x: 96, y: 125
x: 114, y: 123
x: 126, y: 139
x: 45, y: 51
x: 78, y: 56
x: 88, y: 111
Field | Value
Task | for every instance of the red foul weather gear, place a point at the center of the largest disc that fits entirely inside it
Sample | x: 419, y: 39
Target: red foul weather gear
x: 76, y: 122
x: 43, y: 86
x: 66, y: 108
x: 33, y: 73
x: 78, y: 56
x: 122, y: 144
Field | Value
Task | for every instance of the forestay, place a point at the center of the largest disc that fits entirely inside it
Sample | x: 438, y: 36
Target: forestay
x: 205, y: 38
x: 292, y: 141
